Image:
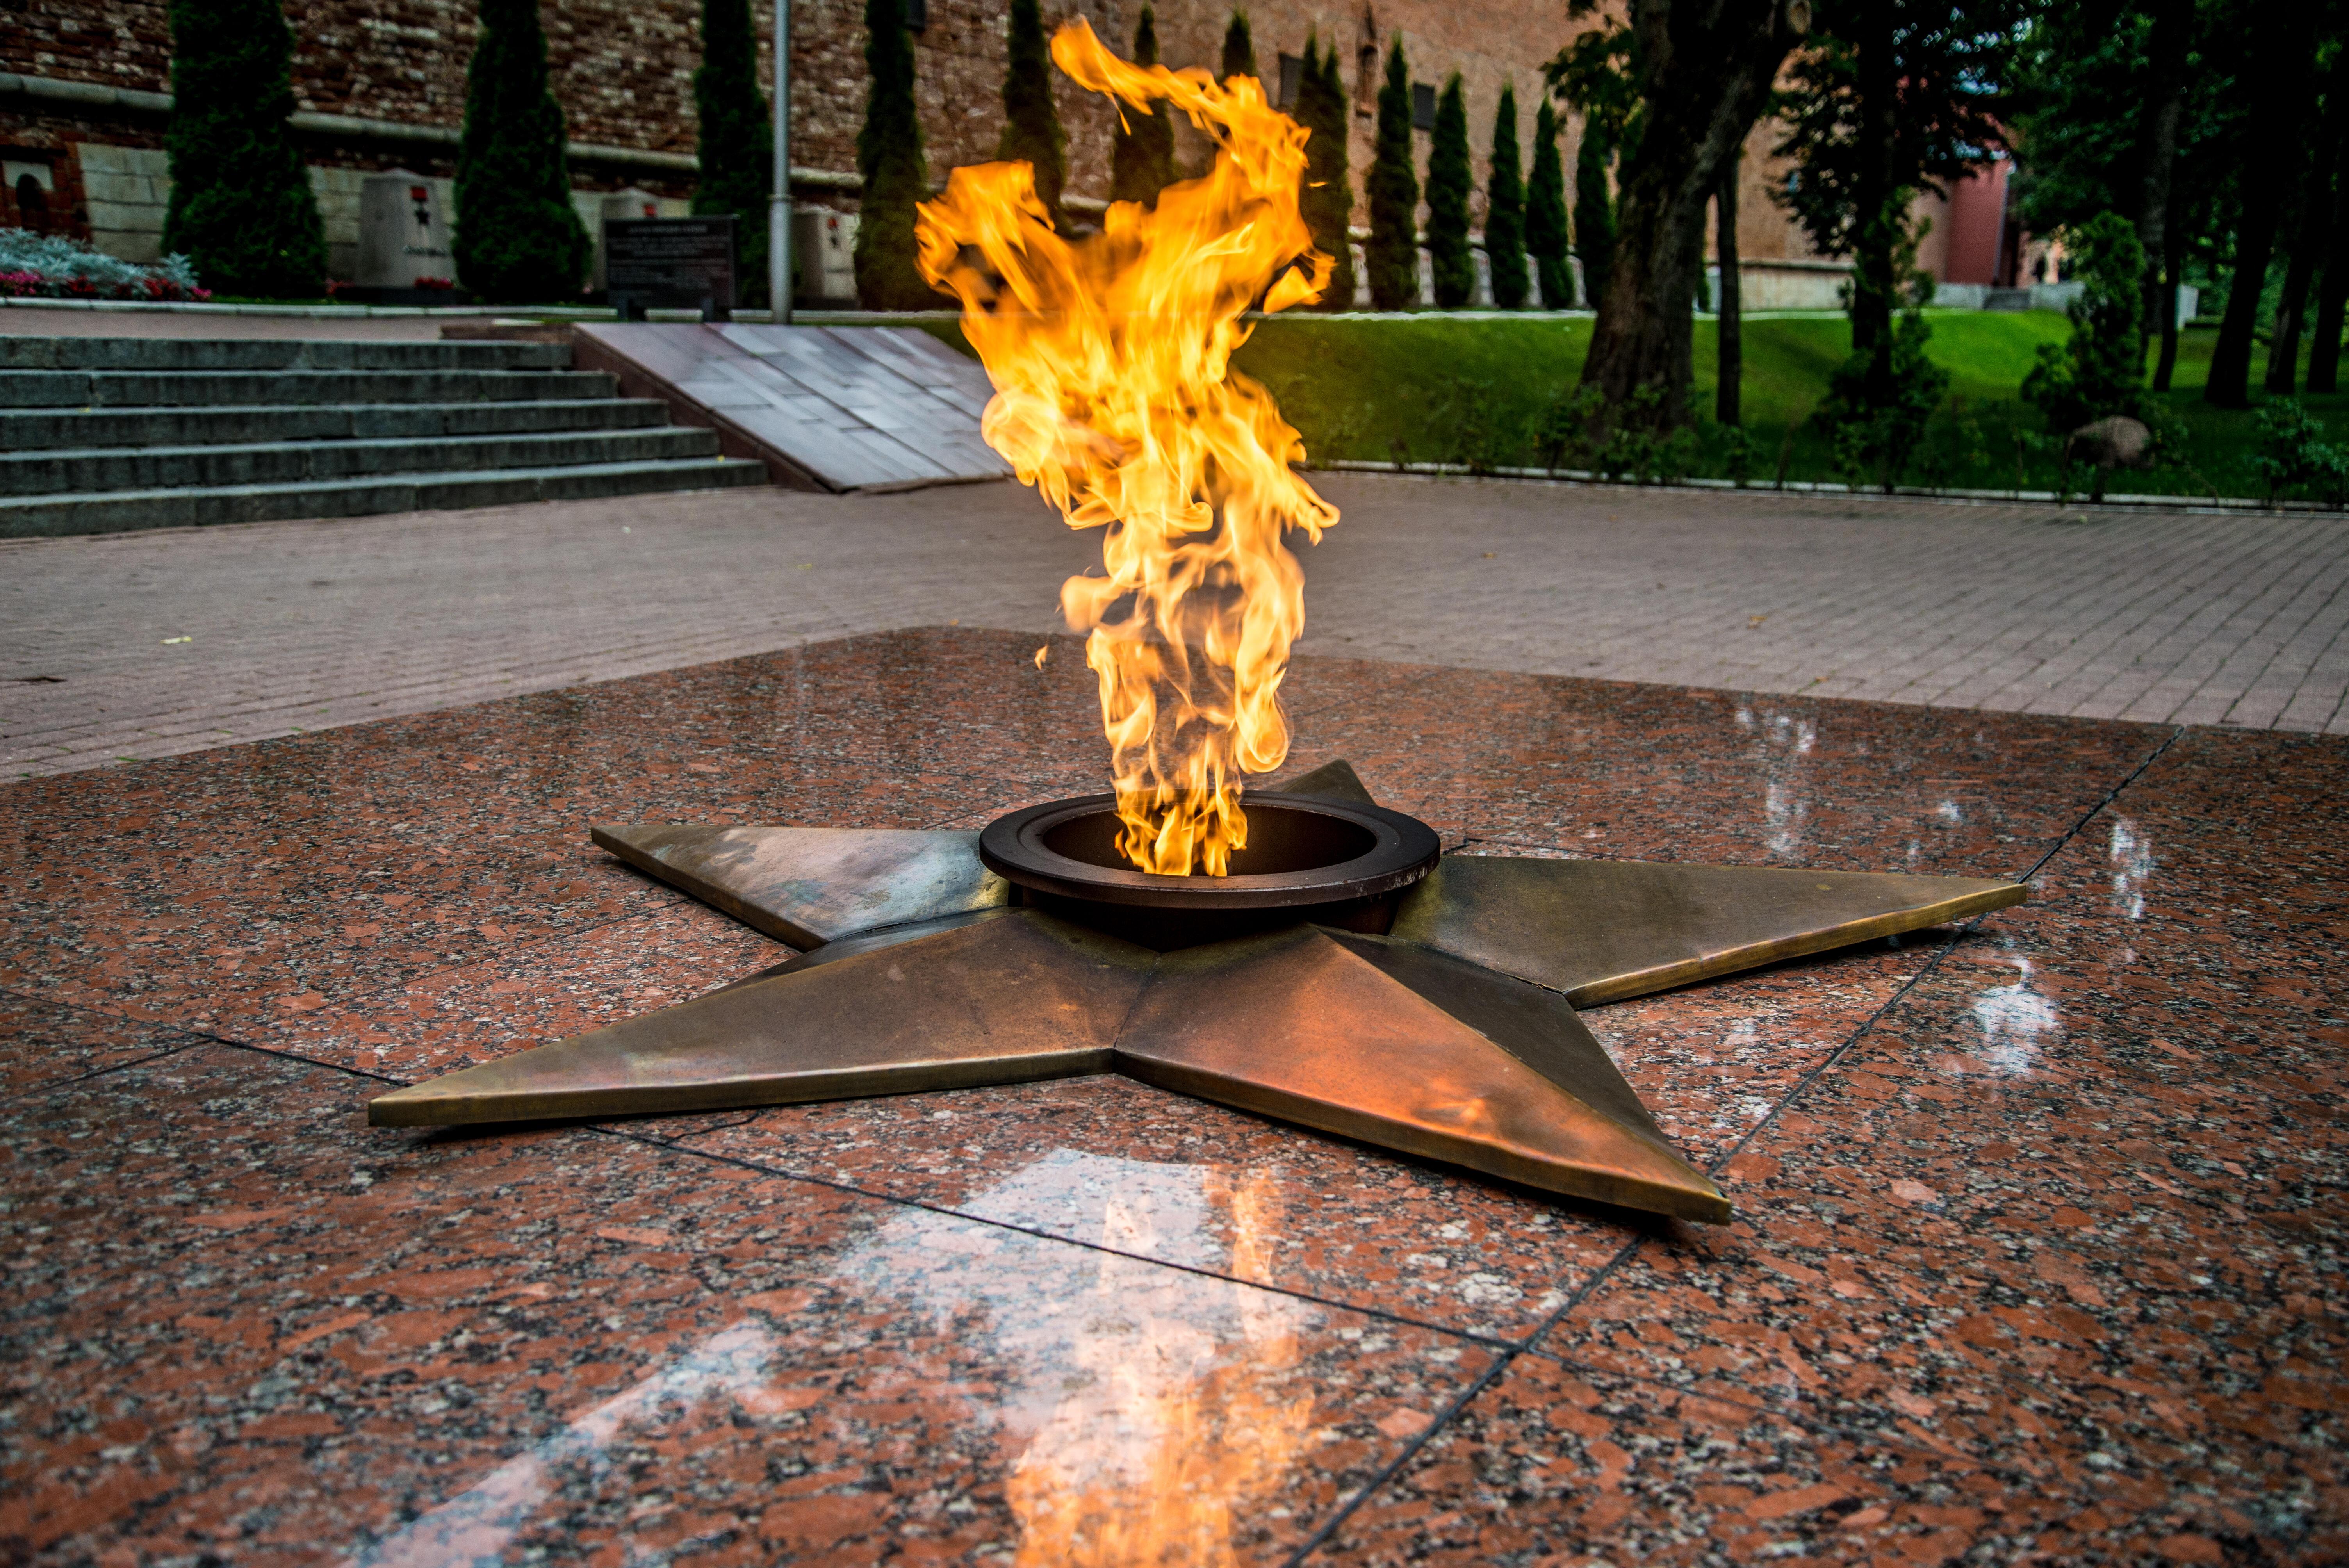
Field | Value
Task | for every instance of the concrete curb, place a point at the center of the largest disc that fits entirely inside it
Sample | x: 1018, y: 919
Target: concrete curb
x: 1585, y: 479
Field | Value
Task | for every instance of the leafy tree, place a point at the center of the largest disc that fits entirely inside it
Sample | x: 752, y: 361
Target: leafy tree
x: 1327, y: 198
x: 1545, y: 228
x: 1880, y: 399
x: 517, y: 237
x: 1449, y: 180
x: 1142, y: 145
x: 1031, y: 125
x: 1239, y: 50
x: 2281, y: 93
x: 2101, y: 102
x: 736, y: 142
x: 1701, y: 74
x: 1391, y: 256
x: 2101, y: 371
x: 242, y: 209
x: 889, y: 157
x: 1504, y: 207
x: 1899, y: 96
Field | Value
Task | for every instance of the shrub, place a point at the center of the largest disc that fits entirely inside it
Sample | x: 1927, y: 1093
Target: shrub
x: 2294, y: 453
x: 1546, y: 220
x: 1142, y: 143
x: 240, y: 208
x: 1239, y: 48
x: 1327, y: 198
x: 1504, y: 208
x: 1449, y: 182
x: 2101, y: 371
x: 518, y: 237
x: 1391, y: 256
x: 50, y: 266
x: 1637, y: 447
x: 737, y: 139
x: 889, y: 157
x: 1881, y: 400
x: 1031, y: 125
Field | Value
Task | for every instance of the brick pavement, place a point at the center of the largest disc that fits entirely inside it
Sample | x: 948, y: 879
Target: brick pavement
x: 153, y: 644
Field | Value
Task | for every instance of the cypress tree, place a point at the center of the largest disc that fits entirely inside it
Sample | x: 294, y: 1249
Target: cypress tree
x: 1594, y: 212
x: 1449, y: 180
x: 1546, y: 227
x: 1327, y: 198
x: 1392, y: 257
x: 736, y: 142
x: 889, y: 157
x: 241, y: 204
x: 1032, y: 126
x: 1239, y: 49
x: 1142, y: 144
x: 517, y: 235
x: 1504, y: 208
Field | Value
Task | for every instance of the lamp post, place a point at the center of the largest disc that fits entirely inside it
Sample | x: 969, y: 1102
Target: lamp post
x: 779, y: 209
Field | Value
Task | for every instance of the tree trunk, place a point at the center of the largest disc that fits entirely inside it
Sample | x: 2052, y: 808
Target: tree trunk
x: 2324, y: 349
x: 1731, y: 324
x: 2283, y: 347
x: 2172, y: 260
x: 2171, y: 26
x: 2285, y: 33
x: 1873, y: 286
x: 1706, y: 72
x: 2311, y: 240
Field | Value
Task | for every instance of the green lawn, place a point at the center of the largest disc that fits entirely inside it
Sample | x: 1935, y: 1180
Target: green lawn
x: 1473, y: 391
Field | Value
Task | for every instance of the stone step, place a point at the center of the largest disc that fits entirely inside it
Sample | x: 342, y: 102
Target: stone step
x: 267, y: 354
x: 31, y: 429
x: 124, y: 511
x: 58, y: 472
x: 182, y: 389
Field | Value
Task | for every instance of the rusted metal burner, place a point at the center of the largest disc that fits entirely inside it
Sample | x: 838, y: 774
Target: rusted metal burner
x: 1325, y: 860
x: 1346, y: 976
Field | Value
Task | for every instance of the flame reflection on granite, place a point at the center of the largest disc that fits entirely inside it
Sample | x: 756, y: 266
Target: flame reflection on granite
x: 1142, y: 1413
x: 2133, y: 866
x: 2017, y: 1023
x: 1147, y: 1407
x: 1786, y: 742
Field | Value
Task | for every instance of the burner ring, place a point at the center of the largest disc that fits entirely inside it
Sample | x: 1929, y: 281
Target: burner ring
x: 1303, y: 850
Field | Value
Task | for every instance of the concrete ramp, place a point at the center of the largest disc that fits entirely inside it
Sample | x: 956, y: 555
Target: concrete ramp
x: 824, y: 407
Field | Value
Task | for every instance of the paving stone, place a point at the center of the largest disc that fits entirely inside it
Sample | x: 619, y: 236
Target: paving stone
x: 305, y: 624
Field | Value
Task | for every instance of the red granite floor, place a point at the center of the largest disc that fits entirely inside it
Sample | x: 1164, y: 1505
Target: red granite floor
x: 2037, y: 1254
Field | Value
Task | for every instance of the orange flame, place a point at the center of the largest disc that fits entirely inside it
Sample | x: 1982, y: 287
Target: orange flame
x: 1116, y: 400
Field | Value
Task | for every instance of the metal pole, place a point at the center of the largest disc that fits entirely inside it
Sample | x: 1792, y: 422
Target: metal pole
x: 779, y: 209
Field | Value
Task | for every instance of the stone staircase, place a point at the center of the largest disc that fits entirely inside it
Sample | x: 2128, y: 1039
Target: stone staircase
x: 102, y: 435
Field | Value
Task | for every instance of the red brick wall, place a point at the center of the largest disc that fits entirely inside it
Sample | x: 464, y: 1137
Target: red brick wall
x: 624, y: 68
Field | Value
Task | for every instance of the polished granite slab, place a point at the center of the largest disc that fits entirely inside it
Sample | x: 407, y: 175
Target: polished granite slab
x: 2037, y: 1253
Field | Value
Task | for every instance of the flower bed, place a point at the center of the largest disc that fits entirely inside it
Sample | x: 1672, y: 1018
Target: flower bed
x: 49, y: 266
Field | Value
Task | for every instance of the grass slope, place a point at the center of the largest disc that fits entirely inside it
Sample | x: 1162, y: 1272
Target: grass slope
x: 1459, y: 390
x: 1474, y: 389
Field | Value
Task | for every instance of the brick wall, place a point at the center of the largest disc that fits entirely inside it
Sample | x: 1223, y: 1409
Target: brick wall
x: 623, y: 70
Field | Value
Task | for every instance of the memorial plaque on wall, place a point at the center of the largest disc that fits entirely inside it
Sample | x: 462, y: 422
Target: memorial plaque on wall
x: 670, y: 263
